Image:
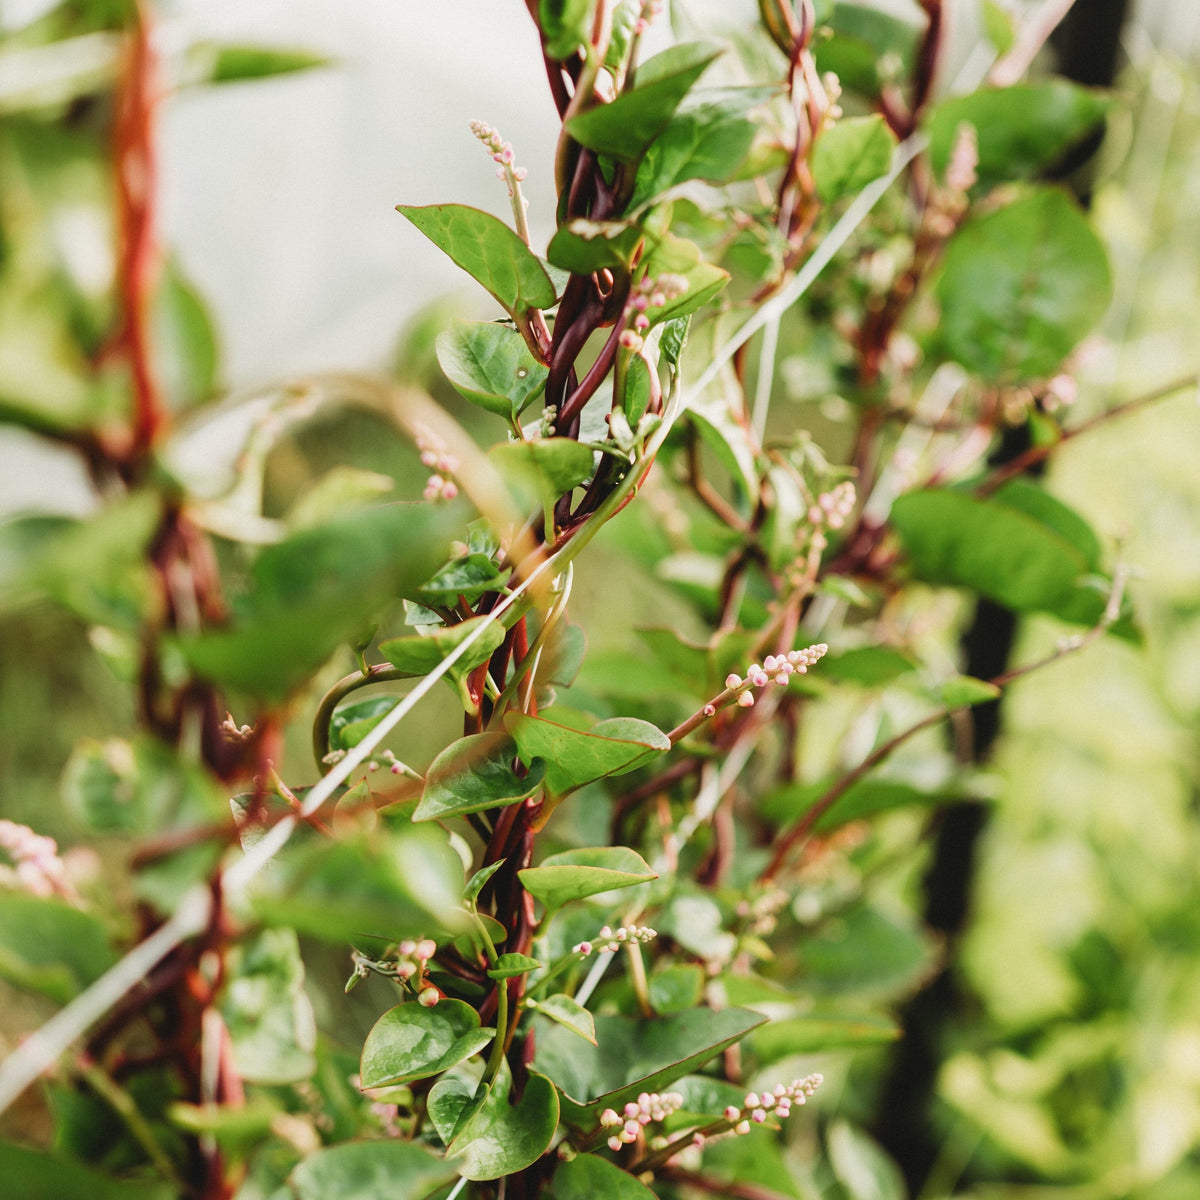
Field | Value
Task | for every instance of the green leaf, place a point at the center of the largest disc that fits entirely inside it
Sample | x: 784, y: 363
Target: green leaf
x: 1002, y: 552
x: 266, y: 1010
x: 339, y: 490
x: 998, y: 26
x: 633, y: 1055
x: 676, y: 988
x: 577, y: 756
x: 861, y: 1166
x: 1033, y: 500
x: 1020, y: 287
x: 547, y: 467
x: 352, y: 722
x: 469, y: 577
x: 963, y: 691
x: 213, y: 62
x: 500, y: 1138
x: 490, y: 365
x: 625, y: 128
x: 566, y: 25
x: 583, y: 246
x: 667, y: 253
x: 95, y: 568
x: 419, y: 654
x: 312, y: 592
x: 508, y: 966
x: 392, y: 884
x: 49, y: 946
x: 574, y: 874
x: 489, y: 251
x: 31, y: 1175
x: 865, y: 799
x: 1021, y: 131
x: 851, y: 153
x: 569, y: 1013
x: 816, y: 1034
x: 589, y: 1177
x: 473, y: 774
x: 708, y: 141
x: 476, y: 883
x: 450, y: 1099
x: 185, y: 340
x: 378, y: 1170
x: 867, y: 666
x: 413, y: 1042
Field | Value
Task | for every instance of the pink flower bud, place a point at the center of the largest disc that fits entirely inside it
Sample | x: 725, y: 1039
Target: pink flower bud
x: 732, y: 1114
x: 615, y: 1143
x: 428, y: 997
x: 746, y: 700
x: 758, y: 1116
x: 742, y: 1127
x: 733, y: 681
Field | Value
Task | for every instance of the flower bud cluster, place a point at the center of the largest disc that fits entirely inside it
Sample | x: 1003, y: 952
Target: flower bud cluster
x: 650, y: 10
x: 650, y: 1106
x: 948, y: 204
x: 833, y: 507
x: 775, y: 668
x: 386, y: 757
x: 763, y: 909
x: 608, y: 940
x: 436, y: 456
x: 36, y: 867
x: 654, y: 292
x: 777, y: 1103
x: 406, y: 963
x: 501, y: 152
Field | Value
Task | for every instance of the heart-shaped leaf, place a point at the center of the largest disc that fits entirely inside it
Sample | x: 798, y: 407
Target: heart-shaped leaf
x: 473, y: 774
x: 499, y: 1138
x: 373, y: 1170
x: 352, y: 722
x: 589, y: 1177
x: 450, y: 1099
x: 569, y: 1013
x: 577, y: 756
x: 488, y: 251
x: 413, y: 1042
x: 491, y: 366
x: 574, y: 874
x: 633, y: 1055
x: 549, y: 466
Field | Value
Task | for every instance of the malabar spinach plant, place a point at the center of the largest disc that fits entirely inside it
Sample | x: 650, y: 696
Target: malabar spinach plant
x: 612, y: 911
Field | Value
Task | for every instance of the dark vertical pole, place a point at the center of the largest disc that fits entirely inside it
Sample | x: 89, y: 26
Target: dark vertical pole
x: 1088, y: 44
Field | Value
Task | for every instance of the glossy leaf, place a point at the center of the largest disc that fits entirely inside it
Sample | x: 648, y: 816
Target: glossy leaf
x: 212, y: 62
x: 468, y: 577
x: 490, y: 365
x: 589, y: 1177
x: 1021, y: 131
x: 473, y: 774
x: 565, y: 24
x: 374, y: 1170
x: 867, y: 666
x: 633, y: 1055
x: 585, y: 246
x: 413, y: 1042
x: 548, y: 467
x: 817, y: 1034
x: 352, y: 722
x: 574, y: 874
x: 49, y: 946
x: 312, y: 592
x: 963, y: 691
x: 500, y: 1138
x: 478, y: 881
x: 450, y: 1099
x: 509, y: 966
x: 1006, y: 554
x: 861, y: 1166
x: 418, y: 655
x: 667, y: 253
x: 676, y: 988
x: 577, y: 756
x: 625, y: 128
x: 489, y: 251
x: 851, y: 153
x: 1020, y: 287
x: 569, y: 1013
x: 707, y: 141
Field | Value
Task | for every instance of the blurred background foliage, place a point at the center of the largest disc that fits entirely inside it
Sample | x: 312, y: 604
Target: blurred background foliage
x: 1066, y: 1063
